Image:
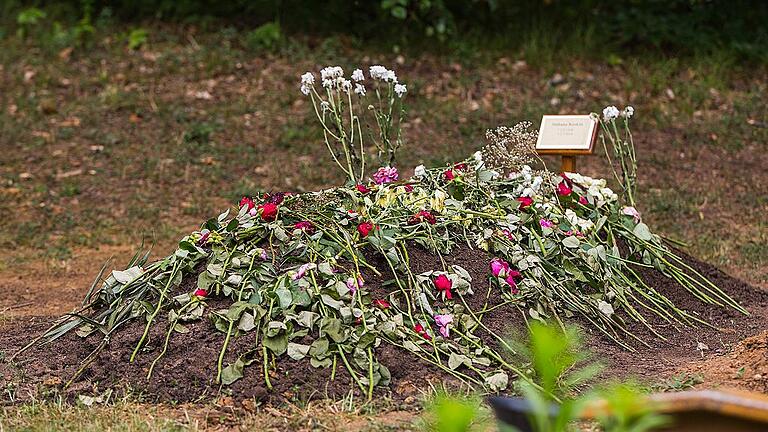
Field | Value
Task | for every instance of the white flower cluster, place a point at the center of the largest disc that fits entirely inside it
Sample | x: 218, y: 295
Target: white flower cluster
x: 596, y: 190
x: 400, y: 90
x: 332, y: 77
x: 611, y: 113
x: 530, y: 184
x: 381, y: 73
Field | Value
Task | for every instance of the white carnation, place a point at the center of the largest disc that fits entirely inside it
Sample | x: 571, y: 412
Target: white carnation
x: 308, y: 78
x: 610, y: 113
x: 331, y: 73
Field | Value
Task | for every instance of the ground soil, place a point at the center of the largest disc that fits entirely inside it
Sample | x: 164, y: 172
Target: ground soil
x: 187, y: 370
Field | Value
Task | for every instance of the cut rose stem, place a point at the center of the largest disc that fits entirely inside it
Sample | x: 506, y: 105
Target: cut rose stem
x: 155, y: 312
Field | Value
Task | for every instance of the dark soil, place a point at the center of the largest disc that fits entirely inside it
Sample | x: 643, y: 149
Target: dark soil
x: 188, y: 369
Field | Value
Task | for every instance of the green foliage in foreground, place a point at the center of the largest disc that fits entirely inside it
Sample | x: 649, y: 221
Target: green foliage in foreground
x: 561, y: 365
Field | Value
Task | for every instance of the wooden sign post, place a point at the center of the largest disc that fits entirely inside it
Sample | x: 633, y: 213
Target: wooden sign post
x: 567, y: 136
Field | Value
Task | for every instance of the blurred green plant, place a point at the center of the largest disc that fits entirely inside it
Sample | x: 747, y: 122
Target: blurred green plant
x: 28, y: 19
x: 560, y: 368
x: 455, y: 413
x: 137, y: 38
x: 266, y: 37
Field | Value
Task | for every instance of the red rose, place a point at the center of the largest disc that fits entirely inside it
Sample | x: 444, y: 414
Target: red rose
x: 381, y: 304
x: 583, y: 200
x: 305, y: 226
x: 525, y: 201
x: 460, y: 166
x: 363, y: 189
x: 408, y: 188
x: 247, y: 202
x: 365, y: 228
x: 563, y: 189
x: 418, y: 328
x: 442, y: 283
x: 268, y: 211
x: 423, y: 216
x: 449, y: 175
x: 201, y: 293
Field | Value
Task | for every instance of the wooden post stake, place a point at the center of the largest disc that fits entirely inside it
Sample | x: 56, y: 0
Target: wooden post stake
x: 568, y: 163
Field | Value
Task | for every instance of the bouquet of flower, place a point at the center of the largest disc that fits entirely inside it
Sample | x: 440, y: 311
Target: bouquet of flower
x: 294, y: 268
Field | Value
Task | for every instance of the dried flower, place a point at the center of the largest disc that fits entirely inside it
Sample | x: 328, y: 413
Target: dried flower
x: 422, y: 216
x: 508, y: 149
x: 499, y: 267
x: 302, y: 271
x: 305, y: 226
x: 354, y: 284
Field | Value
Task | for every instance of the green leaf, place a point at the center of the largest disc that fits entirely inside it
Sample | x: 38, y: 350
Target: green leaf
x: 277, y: 344
x: 330, y: 301
x: 127, y: 275
x: 497, y: 381
x: 284, y: 297
x: 319, y: 348
x: 642, y: 232
x: 246, y: 322
x: 274, y: 328
x: 571, y: 242
x: 232, y: 372
x: 297, y: 351
x: 456, y: 360
x: 332, y: 327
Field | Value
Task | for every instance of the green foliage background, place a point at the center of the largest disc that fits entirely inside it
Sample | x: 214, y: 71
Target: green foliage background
x: 677, y: 27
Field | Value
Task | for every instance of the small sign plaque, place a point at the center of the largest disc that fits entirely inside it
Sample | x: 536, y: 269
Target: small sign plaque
x: 567, y: 134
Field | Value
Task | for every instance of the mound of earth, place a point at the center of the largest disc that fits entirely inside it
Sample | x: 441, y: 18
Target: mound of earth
x: 187, y: 371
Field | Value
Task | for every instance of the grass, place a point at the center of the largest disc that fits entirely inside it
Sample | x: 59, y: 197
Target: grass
x: 127, y: 415
x: 171, y: 134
